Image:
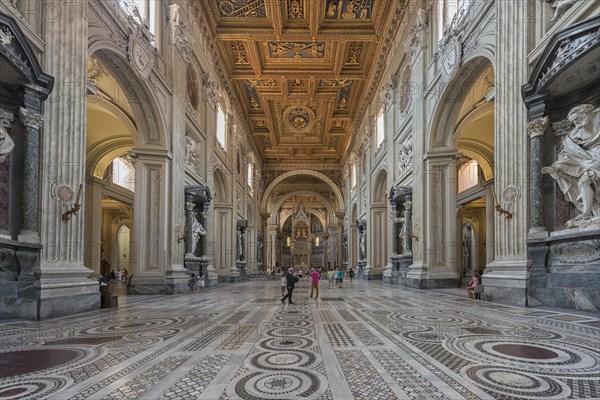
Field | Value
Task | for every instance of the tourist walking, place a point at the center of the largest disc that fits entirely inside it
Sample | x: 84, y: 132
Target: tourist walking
x: 192, y: 282
x: 314, y: 274
x: 291, y: 283
x: 283, y: 283
x: 340, y: 277
x: 330, y: 279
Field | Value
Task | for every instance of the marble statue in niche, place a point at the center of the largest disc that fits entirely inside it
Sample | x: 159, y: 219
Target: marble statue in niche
x: 577, y: 167
x: 197, y: 231
x: 6, y: 143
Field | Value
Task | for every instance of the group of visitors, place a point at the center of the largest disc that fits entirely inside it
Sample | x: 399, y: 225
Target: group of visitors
x: 290, y: 277
x: 195, y: 283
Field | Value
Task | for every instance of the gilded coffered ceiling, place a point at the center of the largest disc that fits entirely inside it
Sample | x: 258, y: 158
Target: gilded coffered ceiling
x: 301, y: 69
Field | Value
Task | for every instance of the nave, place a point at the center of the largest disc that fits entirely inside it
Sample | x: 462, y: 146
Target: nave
x: 366, y: 340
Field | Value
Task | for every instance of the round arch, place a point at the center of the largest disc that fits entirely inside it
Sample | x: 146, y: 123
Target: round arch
x: 221, y: 193
x: 149, y: 118
x: 330, y: 207
x: 441, y: 130
x: 380, y: 187
x: 267, y: 194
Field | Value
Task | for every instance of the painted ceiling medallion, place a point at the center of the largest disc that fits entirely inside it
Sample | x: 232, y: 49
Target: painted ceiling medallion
x: 299, y: 118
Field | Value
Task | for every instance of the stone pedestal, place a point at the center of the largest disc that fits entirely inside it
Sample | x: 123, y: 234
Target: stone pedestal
x: 564, y: 270
x: 241, y: 267
x: 234, y: 274
x: 210, y: 272
x: 390, y: 274
x: 362, y: 266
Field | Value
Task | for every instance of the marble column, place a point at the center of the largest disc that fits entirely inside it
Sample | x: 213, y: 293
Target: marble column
x: 395, y: 233
x: 32, y: 122
x: 338, y: 240
x: 408, y: 222
x: 489, y: 223
x: 536, y: 129
x: 62, y: 280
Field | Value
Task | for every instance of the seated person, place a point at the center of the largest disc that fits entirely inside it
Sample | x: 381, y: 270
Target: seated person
x: 475, y: 280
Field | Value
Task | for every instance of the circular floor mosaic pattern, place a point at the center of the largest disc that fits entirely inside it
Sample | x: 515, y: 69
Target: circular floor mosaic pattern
x: 287, y: 384
x: 516, y: 384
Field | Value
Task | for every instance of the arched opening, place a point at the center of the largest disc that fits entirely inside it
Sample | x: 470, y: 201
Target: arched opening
x: 460, y: 176
x: 126, y: 171
x: 220, y: 249
x: 379, y: 235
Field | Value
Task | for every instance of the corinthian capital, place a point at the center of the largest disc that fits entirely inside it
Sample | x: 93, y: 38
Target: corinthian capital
x: 31, y: 119
x: 538, y: 127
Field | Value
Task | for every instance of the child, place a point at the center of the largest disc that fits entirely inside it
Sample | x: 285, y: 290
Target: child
x: 192, y: 282
x: 475, y: 280
x: 200, y: 283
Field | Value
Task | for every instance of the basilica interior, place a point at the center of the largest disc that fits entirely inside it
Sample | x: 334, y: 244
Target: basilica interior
x: 415, y: 143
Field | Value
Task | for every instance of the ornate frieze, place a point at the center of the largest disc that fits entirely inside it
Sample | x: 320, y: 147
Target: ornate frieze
x: 242, y: 8
x: 297, y: 49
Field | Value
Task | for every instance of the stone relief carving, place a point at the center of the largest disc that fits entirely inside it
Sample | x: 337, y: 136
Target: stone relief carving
x: 191, y: 155
x: 213, y: 93
x: 577, y: 168
x: 417, y: 35
x: 6, y: 142
x: 406, y: 91
x: 141, y: 54
x: 386, y: 95
x: 560, y: 6
x: 405, y: 156
x: 582, y: 252
x: 173, y: 21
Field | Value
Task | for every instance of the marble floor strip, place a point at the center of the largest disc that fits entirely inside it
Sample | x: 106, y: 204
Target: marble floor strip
x: 366, y: 340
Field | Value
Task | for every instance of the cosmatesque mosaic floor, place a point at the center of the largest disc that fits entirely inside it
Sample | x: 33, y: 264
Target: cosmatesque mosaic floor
x: 364, y: 341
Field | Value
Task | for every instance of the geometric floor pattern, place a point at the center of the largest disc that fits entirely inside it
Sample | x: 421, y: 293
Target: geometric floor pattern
x: 364, y: 341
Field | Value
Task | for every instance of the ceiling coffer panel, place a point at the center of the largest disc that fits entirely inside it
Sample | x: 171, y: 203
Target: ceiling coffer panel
x: 300, y: 69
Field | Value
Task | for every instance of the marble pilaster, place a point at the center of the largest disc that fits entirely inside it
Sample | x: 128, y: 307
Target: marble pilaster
x: 62, y: 284
x: 93, y: 216
x: 506, y: 277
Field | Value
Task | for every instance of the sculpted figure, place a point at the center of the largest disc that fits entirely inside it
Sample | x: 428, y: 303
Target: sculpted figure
x: 6, y: 143
x: 197, y: 231
x: 577, y: 168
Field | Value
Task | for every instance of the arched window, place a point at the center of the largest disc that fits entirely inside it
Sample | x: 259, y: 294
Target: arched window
x: 353, y: 176
x: 289, y: 241
x: 221, y: 126
x: 250, y: 176
x: 147, y: 10
x: 380, y: 127
x: 468, y: 176
x: 123, y: 173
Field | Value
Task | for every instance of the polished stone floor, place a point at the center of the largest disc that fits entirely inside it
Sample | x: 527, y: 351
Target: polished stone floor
x: 364, y: 341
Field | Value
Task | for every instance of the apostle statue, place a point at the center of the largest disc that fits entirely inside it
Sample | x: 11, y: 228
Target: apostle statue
x: 197, y: 231
x: 577, y: 168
